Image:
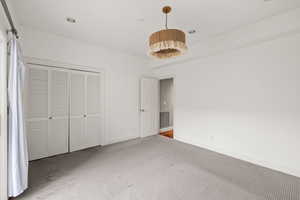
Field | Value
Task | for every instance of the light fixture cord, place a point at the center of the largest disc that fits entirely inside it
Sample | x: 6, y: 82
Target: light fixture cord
x: 166, y: 25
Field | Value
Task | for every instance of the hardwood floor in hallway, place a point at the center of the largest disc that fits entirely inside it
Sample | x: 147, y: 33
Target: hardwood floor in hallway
x: 168, y: 134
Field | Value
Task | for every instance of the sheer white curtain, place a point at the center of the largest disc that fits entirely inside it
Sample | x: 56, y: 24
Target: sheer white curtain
x: 17, y: 145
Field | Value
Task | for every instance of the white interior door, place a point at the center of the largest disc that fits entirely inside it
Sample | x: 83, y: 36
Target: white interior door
x: 77, y: 111
x: 59, y: 113
x: 37, y: 112
x: 149, y: 107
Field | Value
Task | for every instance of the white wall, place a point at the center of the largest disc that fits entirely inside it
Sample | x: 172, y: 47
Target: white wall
x: 122, y: 74
x: 243, y: 103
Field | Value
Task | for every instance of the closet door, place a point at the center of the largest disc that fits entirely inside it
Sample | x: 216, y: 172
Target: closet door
x: 47, y: 112
x: 77, y: 111
x: 85, y: 110
x: 59, y: 113
x: 93, y: 112
x: 37, y: 112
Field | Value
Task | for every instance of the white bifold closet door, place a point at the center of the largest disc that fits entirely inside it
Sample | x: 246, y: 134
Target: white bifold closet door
x: 37, y: 112
x: 85, y: 110
x: 47, y: 112
x: 58, y: 135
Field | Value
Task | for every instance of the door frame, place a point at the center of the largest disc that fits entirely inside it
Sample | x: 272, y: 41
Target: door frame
x: 171, y: 76
x: 140, y: 103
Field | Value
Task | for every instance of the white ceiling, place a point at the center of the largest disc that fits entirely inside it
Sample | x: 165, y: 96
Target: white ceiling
x: 126, y: 24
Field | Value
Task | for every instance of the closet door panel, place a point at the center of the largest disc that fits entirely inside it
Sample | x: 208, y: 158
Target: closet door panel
x: 77, y: 134
x: 77, y: 111
x: 37, y: 93
x: 58, y: 136
x: 94, y: 122
x: 85, y: 120
x: 93, y: 131
x: 37, y: 139
x: 93, y: 94
x: 59, y: 94
x: 77, y: 96
x: 59, y: 114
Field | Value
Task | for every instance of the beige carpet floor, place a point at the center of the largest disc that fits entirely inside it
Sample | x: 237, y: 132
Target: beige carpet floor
x: 155, y: 168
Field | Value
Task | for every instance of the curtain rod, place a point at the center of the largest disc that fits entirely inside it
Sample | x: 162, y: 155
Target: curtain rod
x: 7, y: 13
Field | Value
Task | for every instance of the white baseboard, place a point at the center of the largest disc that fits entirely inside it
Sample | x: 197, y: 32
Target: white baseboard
x: 117, y: 140
x: 166, y: 129
x: 250, y: 159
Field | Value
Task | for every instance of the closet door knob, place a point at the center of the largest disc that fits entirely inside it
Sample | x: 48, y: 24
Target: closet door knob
x: 50, y: 117
x: 84, y: 115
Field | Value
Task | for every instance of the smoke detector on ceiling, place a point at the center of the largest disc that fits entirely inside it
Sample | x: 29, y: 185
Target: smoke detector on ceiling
x: 71, y: 20
x: 192, y: 31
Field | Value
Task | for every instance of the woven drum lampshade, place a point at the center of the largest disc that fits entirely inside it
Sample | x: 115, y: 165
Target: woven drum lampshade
x: 167, y: 43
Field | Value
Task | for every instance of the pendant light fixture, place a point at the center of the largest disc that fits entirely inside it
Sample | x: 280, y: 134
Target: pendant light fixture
x: 167, y: 43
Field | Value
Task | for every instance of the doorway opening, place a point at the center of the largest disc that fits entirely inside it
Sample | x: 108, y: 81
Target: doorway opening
x: 166, y: 112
